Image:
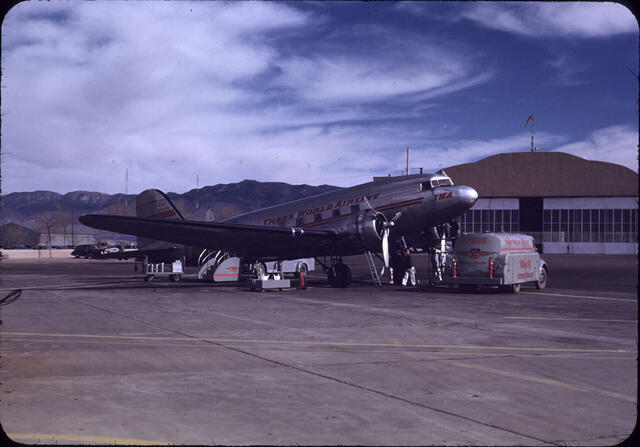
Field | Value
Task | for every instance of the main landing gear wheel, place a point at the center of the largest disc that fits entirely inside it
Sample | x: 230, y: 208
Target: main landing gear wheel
x: 339, y: 275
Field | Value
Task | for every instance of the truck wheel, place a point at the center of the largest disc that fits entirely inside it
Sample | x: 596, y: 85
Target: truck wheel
x: 515, y: 288
x: 541, y: 283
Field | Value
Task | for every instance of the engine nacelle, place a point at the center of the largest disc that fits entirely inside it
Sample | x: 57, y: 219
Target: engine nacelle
x: 367, y: 229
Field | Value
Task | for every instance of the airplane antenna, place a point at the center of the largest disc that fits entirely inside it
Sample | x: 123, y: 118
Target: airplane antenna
x: 408, y: 151
x: 197, y: 190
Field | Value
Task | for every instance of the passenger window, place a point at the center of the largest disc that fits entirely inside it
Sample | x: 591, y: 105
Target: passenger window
x: 299, y: 221
x: 317, y: 217
x: 425, y: 186
x: 355, y: 208
x: 335, y: 212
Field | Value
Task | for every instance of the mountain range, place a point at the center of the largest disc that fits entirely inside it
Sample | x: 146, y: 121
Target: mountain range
x: 35, y: 209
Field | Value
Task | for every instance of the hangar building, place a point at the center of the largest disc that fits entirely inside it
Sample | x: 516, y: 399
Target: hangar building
x: 567, y: 203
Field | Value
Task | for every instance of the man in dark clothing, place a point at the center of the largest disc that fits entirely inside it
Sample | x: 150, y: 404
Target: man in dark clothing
x: 410, y: 269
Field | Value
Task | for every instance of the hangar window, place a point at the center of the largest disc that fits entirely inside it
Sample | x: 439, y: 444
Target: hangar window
x: 515, y: 221
x: 487, y: 220
x: 590, y: 225
x: 608, y: 216
x: 498, y: 220
x: 586, y: 225
x: 617, y: 223
x: 575, y: 233
x: 555, y: 226
x: 626, y: 225
x: 595, y: 226
x: 506, y: 221
x: 501, y: 221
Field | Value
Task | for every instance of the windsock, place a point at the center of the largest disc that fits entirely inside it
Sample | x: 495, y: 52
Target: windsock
x: 528, y: 119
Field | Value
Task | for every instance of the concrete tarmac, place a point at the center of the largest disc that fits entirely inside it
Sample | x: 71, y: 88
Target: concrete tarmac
x: 92, y: 354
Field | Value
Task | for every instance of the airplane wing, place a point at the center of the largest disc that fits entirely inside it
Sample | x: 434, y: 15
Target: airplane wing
x: 245, y: 240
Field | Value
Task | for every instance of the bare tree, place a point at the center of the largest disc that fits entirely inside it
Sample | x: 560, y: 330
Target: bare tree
x: 47, y: 223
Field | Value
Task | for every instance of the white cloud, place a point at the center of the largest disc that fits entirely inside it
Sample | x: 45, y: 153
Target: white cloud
x: 397, y: 65
x: 614, y: 144
x: 169, y: 89
x: 569, y: 19
x: 567, y: 71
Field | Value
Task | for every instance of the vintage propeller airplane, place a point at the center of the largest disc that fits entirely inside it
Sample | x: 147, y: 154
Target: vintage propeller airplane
x: 339, y: 223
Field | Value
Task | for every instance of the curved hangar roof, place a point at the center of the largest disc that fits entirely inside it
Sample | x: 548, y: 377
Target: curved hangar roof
x: 544, y: 174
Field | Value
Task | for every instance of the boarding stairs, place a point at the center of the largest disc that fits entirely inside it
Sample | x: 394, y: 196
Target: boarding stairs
x: 372, y: 268
x: 208, y: 262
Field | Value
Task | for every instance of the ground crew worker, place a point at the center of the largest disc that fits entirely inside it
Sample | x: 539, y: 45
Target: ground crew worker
x: 410, y: 269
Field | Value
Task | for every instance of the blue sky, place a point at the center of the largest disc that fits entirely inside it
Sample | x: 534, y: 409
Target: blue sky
x: 323, y: 92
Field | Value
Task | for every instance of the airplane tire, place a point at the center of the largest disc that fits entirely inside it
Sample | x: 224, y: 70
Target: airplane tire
x: 339, y: 275
x: 515, y: 288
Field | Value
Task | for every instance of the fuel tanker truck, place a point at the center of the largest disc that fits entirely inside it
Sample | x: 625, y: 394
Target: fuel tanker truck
x: 505, y: 260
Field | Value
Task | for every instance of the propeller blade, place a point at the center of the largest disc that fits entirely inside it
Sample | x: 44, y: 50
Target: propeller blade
x: 385, y: 247
x: 370, y: 207
x: 392, y: 222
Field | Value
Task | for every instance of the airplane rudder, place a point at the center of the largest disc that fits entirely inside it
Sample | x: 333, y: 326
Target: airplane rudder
x: 153, y: 203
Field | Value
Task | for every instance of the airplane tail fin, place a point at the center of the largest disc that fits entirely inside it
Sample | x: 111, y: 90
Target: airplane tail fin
x: 153, y: 203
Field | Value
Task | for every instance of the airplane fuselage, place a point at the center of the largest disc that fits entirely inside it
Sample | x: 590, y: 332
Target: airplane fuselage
x: 422, y: 202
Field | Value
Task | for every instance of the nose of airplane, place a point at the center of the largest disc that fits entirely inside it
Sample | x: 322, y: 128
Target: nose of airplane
x: 468, y: 195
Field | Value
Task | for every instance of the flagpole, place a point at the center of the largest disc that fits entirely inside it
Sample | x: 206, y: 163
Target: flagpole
x: 533, y: 121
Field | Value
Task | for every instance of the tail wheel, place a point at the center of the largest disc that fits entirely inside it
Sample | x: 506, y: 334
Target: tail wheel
x: 515, y: 288
x: 541, y: 283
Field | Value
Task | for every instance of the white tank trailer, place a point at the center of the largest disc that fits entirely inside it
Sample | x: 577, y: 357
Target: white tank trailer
x: 505, y: 260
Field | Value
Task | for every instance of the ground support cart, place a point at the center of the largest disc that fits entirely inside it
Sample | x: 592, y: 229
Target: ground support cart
x: 172, y: 270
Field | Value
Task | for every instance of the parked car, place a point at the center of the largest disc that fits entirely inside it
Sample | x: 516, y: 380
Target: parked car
x: 86, y: 250
x: 114, y: 249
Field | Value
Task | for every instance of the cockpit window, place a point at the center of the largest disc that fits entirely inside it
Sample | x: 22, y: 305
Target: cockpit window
x: 434, y: 183
x: 441, y: 182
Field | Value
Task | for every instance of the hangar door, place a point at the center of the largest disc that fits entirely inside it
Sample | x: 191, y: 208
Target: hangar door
x: 531, y: 214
